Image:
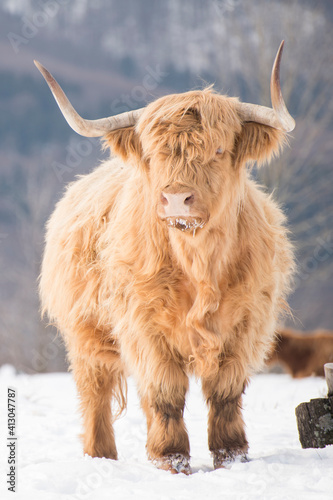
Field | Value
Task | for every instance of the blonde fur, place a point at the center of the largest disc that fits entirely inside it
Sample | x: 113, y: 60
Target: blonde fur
x: 132, y: 296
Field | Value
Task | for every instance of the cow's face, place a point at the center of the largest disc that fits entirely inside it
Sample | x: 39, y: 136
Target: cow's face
x: 187, y: 142
x: 192, y: 147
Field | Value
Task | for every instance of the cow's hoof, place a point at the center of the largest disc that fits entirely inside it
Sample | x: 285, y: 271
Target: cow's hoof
x: 223, y: 459
x: 175, y: 463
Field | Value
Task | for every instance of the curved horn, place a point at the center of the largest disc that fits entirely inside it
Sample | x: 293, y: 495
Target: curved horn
x: 87, y: 128
x: 278, y: 117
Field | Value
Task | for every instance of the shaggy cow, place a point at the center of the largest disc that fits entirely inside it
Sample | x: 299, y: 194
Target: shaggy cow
x: 302, y: 353
x: 168, y: 261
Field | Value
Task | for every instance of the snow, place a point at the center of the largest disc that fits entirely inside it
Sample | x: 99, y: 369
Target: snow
x: 51, y: 464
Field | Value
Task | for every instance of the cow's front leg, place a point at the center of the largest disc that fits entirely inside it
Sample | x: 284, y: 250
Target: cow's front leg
x: 163, y: 402
x: 226, y: 429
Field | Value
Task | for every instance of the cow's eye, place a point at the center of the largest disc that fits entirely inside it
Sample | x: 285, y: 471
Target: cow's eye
x: 219, y: 151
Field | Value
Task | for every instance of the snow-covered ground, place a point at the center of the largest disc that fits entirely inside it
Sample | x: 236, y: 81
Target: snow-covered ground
x: 51, y: 465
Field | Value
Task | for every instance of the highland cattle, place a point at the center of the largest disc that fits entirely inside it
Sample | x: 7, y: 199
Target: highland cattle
x: 169, y: 261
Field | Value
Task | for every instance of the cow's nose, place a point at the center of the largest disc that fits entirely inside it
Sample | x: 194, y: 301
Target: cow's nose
x: 176, y: 204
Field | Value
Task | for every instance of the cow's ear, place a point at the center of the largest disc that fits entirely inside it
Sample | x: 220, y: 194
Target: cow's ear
x: 125, y: 143
x: 257, y: 143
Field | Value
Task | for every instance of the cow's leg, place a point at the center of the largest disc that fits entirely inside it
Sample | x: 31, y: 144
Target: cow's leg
x: 99, y: 379
x: 226, y: 429
x: 96, y: 386
x: 163, y: 402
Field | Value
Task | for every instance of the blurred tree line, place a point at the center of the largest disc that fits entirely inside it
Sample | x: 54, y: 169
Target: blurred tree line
x: 102, y: 53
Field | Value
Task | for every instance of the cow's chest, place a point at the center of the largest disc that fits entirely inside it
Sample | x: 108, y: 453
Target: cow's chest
x: 196, y: 308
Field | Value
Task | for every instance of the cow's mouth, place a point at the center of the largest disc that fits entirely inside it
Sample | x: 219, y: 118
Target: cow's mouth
x: 188, y: 224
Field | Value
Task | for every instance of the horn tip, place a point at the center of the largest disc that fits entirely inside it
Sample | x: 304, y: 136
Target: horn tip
x: 281, y: 47
x: 39, y: 66
x: 279, y: 54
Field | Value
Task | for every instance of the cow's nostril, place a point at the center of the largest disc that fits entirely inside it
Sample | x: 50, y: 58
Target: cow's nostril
x: 164, y: 200
x: 189, y: 200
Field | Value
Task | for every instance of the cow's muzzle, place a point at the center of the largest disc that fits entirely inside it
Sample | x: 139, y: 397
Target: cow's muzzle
x: 182, y: 210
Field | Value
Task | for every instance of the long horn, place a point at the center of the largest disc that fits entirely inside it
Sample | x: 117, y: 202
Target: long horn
x: 87, y: 128
x: 278, y: 117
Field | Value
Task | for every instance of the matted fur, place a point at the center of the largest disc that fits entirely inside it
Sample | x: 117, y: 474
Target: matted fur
x: 133, y: 296
x: 302, y: 354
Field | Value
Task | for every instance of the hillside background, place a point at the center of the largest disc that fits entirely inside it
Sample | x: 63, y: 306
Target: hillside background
x: 112, y: 56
